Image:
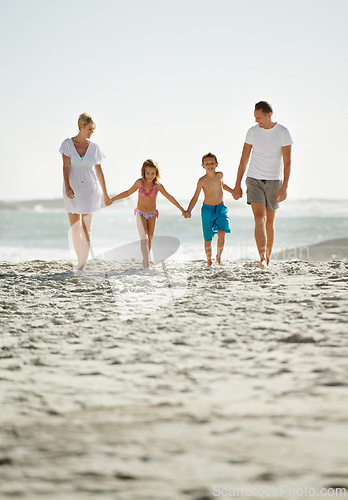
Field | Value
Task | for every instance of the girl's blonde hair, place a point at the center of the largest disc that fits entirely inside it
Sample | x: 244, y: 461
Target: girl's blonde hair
x: 86, y: 119
x: 152, y: 164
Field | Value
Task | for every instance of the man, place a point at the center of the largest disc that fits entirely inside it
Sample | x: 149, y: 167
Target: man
x: 267, y: 181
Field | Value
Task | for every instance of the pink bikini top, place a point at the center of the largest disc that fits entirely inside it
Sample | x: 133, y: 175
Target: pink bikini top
x: 152, y: 192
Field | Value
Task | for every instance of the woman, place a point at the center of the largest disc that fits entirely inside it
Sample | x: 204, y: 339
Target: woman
x: 81, y: 190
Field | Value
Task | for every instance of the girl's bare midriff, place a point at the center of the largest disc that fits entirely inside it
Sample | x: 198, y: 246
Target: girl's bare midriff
x: 147, y: 203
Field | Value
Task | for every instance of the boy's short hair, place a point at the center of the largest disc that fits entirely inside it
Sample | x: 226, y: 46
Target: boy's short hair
x: 264, y: 106
x: 209, y: 155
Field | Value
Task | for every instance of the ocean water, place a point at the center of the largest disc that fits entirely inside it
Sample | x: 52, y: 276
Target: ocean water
x: 39, y: 229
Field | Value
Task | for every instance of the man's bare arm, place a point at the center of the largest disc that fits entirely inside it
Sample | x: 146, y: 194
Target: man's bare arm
x: 237, y: 191
x: 286, y: 151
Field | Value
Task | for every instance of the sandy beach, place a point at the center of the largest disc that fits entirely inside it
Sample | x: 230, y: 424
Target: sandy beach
x: 174, y: 383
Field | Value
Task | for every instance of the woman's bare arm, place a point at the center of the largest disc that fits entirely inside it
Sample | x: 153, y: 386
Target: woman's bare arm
x: 100, y: 176
x: 66, y: 175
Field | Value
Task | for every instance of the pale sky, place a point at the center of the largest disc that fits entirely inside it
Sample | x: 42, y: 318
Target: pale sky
x: 172, y: 80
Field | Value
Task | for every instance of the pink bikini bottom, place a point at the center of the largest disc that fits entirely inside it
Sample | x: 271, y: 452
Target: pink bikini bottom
x: 147, y: 215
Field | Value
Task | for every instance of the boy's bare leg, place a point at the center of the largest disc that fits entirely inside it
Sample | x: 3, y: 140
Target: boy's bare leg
x: 142, y: 230
x: 208, y: 252
x: 259, y: 211
x: 270, y: 232
x: 220, y: 246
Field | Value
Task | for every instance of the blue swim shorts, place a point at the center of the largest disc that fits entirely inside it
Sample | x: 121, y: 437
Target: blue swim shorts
x: 214, y: 219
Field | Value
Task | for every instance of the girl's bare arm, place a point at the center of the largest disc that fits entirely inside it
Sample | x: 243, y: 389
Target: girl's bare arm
x: 170, y: 197
x: 129, y: 191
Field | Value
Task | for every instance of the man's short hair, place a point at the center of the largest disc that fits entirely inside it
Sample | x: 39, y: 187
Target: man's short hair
x: 209, y: 155
x: 264, y: 106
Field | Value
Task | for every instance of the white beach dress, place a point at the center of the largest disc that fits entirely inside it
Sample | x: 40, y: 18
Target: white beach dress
x: 82, y: 178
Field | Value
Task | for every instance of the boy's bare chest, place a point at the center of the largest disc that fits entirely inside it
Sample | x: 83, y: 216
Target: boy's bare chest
x: 212, y: 184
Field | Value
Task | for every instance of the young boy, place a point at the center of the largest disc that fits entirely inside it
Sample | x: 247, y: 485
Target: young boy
x: 214, y: 212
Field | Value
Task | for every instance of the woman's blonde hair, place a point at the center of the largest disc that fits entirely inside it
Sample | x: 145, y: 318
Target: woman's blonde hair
x: 86, y: 119
x: 152, y: 164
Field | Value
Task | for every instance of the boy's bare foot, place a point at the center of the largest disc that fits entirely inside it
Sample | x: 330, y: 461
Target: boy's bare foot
x: 210, y: 262
x: 218, y: 260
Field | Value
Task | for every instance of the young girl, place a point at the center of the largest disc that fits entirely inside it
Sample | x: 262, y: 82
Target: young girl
x: 146, y: 212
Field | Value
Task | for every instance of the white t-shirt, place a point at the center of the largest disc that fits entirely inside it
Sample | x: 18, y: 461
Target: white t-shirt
x: 266, y: 155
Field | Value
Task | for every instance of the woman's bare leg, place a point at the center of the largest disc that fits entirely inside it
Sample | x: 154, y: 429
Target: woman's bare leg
x: 75, y: 223
x: 86, y: 224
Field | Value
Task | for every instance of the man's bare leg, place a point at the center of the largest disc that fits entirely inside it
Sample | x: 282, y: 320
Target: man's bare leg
x: 259, y: 211
x: 220, y: 246
x: 208, y: 252
x: 270, y: 232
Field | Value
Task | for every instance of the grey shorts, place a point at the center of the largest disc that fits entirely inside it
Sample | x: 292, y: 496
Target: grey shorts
x: 263, y: 191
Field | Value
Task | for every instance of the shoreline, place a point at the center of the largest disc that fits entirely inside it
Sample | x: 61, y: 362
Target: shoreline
x: 323, y: 251
x: 326, y: 250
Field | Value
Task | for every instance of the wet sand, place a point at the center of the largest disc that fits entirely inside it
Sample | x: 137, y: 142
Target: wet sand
x: 173, y: 383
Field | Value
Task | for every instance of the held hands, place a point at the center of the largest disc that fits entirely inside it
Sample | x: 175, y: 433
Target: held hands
x: 237, y: 192
x: 186, y: 214
x: 107, y: 200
